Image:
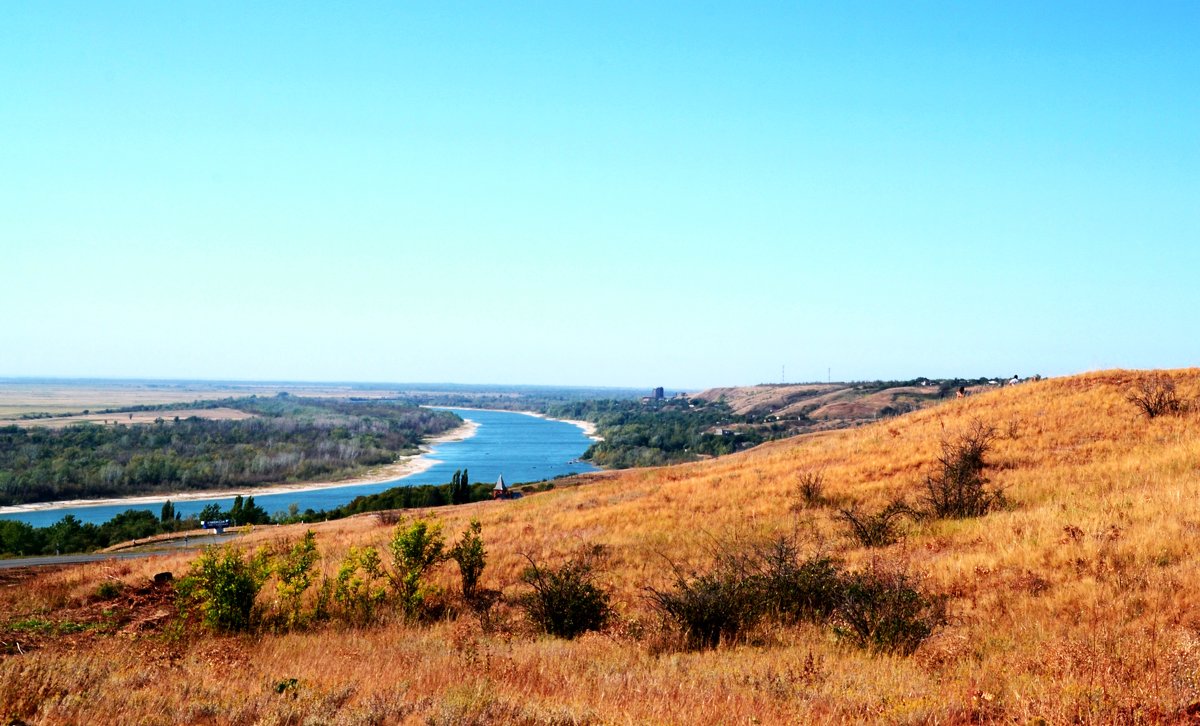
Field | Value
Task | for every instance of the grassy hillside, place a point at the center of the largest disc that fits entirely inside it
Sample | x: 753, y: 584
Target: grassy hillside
x: 809, y: 407
x: 1075, y: 603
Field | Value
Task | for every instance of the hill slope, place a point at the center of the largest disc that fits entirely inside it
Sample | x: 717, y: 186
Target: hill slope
x: 808, y: 407
x: 1077, y: 603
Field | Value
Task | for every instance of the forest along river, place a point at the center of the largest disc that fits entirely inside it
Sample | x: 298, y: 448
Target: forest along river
x: 523, y: 448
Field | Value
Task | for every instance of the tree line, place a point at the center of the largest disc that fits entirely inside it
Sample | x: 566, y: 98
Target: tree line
x: 69, y: 535
x: 459, y: 490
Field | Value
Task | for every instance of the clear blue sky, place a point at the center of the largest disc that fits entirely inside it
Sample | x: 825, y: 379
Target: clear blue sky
x: 681, y: 194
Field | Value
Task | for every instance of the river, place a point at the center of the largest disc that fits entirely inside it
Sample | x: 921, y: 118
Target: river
x: 523, y: 448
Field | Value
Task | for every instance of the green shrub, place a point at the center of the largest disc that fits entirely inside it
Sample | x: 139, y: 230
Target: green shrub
x: 294, y: 570
x: 221, y: 587
x: 886, y: 611
x: 109, y: 589
x: 471, y: 556
x: 566, y: 602
x: 357, y: 588
x: 416, y: 547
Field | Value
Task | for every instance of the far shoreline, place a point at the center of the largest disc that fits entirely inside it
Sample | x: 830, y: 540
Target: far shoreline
x: 402, y: 469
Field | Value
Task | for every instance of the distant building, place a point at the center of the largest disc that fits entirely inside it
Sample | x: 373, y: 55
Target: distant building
x: 500, y: 491
x: 659, y: 394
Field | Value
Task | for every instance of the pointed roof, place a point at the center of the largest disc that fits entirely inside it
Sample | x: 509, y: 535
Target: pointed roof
x: 500, y: 485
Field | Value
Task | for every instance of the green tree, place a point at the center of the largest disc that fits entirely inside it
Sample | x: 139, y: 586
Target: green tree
x: 460, y: 488
x: 168, y: 512
x: 253, y: 514
x: 130, y: 524
x: 212, y: 512
x: 70, y: 535
x: 19, y: 538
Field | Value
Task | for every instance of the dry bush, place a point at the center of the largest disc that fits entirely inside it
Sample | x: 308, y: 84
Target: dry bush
x: 886, y: 610
x: 566, y: 601
x: 960, y: 489
x: 792, y: 588
x: 711, y: 607
x: 879, y: 609
x: 810, y: 490
x: 1155, y: 395
x: 879, y: 529
x: 390, y: 517
x: 31, y: 683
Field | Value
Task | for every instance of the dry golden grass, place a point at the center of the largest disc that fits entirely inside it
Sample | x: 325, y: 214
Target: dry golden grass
x: 1077, y: 604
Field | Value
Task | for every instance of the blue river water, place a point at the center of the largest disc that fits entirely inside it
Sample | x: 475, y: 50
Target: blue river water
x: 521, y: 447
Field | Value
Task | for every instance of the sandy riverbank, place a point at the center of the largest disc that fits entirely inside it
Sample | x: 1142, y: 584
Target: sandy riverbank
x: 588, y: 428
x: 405, y: 467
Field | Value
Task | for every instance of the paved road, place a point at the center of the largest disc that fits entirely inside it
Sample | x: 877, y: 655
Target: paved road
x: 73, y: 559
x: 161, y: 548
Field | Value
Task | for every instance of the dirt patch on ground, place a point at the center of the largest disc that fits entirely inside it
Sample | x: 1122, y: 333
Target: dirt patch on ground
x: 115, y: 607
